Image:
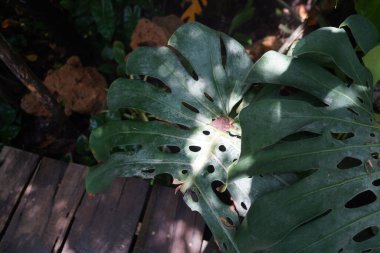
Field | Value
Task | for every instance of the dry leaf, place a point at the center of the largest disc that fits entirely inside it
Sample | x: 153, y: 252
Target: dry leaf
x: 258, y: 48
x: 154, y: 33
x: 195, y: 8
x: 80, y: 89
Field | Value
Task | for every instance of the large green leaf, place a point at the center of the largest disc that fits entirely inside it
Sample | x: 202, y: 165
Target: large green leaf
x: 333, y: 144
x: 193, y: 136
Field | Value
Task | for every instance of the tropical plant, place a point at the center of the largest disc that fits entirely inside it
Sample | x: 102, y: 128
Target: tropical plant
x: 101, y: 22
x: 297, y: 150
x: 325, y: 133
x: 194, y: 137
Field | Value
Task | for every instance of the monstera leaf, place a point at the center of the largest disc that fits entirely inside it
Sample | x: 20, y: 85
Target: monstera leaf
x: 325, y: 132
x: 190, y: 88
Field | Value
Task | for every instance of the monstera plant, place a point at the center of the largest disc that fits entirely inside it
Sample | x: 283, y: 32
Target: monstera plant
x: 326, y: 133
x: 301, y: 171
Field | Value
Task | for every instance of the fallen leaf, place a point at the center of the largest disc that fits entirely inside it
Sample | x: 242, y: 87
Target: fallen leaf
x: 195, y: 8
x: 154, y: 33
x: 258, y: 48
x: 80, y: 89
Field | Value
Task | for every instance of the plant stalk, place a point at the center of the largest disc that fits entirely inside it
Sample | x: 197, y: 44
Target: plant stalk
x: 21, y: 70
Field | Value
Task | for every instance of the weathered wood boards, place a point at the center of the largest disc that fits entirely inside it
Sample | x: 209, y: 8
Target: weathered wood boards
x: 169, y: 226
x: 107, y: 222
x: 16, y: 169
x: 44, y: 208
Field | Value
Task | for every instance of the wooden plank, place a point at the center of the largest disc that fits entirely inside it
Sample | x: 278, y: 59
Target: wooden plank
x: 106, y: 223
x: 16, y: 169
x: 169, y: 226
x: 46, y: 209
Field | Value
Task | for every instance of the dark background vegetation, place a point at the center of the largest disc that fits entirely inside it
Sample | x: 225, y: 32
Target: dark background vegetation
x: 47, y: 33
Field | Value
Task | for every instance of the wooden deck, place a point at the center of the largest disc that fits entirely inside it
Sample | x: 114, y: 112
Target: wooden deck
x: 44, y: 208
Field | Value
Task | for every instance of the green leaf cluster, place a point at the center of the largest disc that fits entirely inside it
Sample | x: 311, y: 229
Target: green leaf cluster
x: 105, y: 20
x: 299, y: 163
x: 325, y: 133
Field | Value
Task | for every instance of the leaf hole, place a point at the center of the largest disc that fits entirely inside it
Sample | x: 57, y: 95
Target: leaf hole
x: 233, y: 135
x: 361, y: 199
x: 195, y: 148
x: 340, y: 250
x: 222, y: 148
x: 375, y: 155
x: 350, y: 36
x: 159, y: 84
x: 228, y: 221
x: 353, y: 111
x: 243, y: 205
x: 169, y: 149
x: 190, y: 107
x: 372, y: 134
x: 194, y: 196
x: 234, y: 160
x: 129, y: 149
x: 366, y: 234
x: 360, y: 100
x: 366, y: 251
x: 342, y: 136
x: 208, y: 97
x: 117, y: 149
x: 224, y: 246
x: 302, y: 135
x: 376, y: 182
x: 183, y: 127
x: 184, y: 172
x: 206, y: 132
x: 210, y: 169
x: 148, y: 171
x: 224, y: 196
x: 348, y: 163
x: 185, y: 63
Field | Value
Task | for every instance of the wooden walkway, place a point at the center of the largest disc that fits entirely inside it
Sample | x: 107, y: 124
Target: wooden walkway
x: 44, y: 208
